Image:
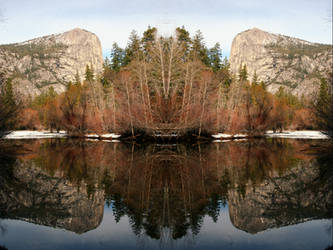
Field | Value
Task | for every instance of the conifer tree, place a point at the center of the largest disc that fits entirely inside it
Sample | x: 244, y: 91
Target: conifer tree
x: 8, y: 106
x: 215, y: 55
x: 132, y: 47
x: 77, y: 78
x: 148, y: 38
x: 89, y: 74
x: 243, y: 73
x: 199, y: 49
x: 255, y: 78
x: 183, y: 37
x: 117, y: 57
x: 324, y: 107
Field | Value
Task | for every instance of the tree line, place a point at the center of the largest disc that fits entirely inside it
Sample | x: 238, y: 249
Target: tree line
x: 169, y: 85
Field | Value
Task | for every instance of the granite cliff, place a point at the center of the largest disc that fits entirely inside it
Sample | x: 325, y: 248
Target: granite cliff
x: 278, y: 60
x: 54, y: 60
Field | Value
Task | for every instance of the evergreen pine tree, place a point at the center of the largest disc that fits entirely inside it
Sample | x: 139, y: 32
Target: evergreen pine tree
x: 148, y: 38
x: 255, y: 78
x: 77, y: 78
x: 199, y: 50
x: 243, y: 73
x: 8, y: 106
x: 89, y: 74
x: 117, y: 57
x: 183, y: 36
x: 132, y: 47
x: 323, y: 107
x: 215, y: 55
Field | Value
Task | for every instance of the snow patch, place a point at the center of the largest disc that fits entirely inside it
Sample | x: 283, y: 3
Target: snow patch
x: 228, y: 136
x: 30, y: 134
x: 302, y: 134
x: 102, y: 136
x: 111, y: 135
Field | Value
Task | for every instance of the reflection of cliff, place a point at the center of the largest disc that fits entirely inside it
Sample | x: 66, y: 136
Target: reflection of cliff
x: 166, y: 188
x: 267, y: 184
x: 29, y: 193
x: 298, y: 195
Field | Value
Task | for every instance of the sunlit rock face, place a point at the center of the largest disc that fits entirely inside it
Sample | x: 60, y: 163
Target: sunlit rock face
x: 296, y: 196
x: 278, y: 60
x: 54, y: 60
x: 31, y: 194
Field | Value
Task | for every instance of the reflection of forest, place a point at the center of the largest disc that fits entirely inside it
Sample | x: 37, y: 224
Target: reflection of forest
x: 166, y: 187
x: 28, y: 192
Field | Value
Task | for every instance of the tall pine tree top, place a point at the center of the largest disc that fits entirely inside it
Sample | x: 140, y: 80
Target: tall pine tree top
x: 243, y: 73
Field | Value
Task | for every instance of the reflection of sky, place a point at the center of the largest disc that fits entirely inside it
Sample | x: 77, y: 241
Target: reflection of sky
x: 112, y: 235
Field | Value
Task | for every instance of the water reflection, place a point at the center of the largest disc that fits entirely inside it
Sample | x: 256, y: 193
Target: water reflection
x: 166, y: 191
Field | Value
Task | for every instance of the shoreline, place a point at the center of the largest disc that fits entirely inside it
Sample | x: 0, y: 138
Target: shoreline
x: 44, y: 134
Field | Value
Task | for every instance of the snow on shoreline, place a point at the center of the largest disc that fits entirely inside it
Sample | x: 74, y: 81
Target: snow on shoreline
x: 229, y: 136
x: 103, y: 136
x: 301, y: 134
x: 30, y: 134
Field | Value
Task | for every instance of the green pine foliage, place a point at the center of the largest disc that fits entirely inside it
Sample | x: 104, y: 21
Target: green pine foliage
x: 255, y: 78
x: 290, y: 99
x: 133, y: 46
x: 77, y: 78
x: 215, y: 57
x: 324, y: 107
x: 117, y: 57
x: 194, y: 48
x: 184, y: 38
x: 199, y: 49
x: 45, y: 97
x: 148, y: 37
x: 89, y: 74
x: 8, y: 105
x: 243, y: 73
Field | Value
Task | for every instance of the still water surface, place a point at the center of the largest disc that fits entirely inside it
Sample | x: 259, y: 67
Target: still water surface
x: 73, y: 194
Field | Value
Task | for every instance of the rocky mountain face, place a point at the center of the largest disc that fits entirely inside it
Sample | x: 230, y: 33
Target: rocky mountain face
x: 299, y: 195
x: 31, y: 194
x: 54, y: 60
x: 278, y: 60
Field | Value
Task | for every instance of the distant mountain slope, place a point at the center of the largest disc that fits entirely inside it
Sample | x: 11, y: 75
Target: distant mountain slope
x: 53, y: 60
x: 281, y: 60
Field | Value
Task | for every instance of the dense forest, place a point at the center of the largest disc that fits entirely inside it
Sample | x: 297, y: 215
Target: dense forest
x: 166, y: 86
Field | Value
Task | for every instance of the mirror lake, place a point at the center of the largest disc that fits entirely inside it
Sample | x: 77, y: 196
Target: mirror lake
x: 81, y: 194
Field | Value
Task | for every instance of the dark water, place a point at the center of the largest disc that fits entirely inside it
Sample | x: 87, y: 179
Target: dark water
x: 71, y: 194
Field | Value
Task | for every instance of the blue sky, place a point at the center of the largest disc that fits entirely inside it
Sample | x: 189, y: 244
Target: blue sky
x: 112, y: 21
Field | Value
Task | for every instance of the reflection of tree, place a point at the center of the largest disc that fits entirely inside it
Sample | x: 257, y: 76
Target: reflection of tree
x: 159, y: 191
x: 3, y: 228
x: 175, y: 187
x: 167, y: 190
